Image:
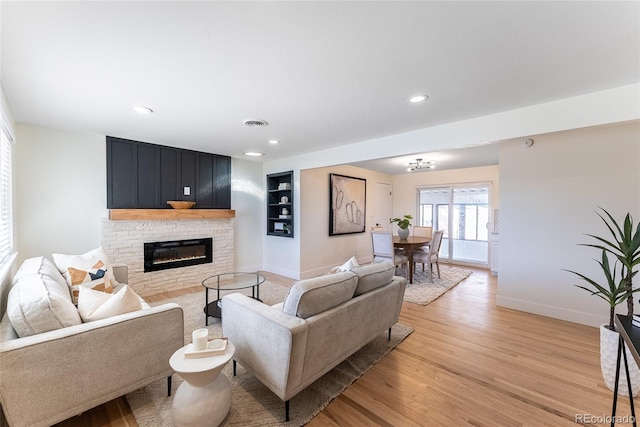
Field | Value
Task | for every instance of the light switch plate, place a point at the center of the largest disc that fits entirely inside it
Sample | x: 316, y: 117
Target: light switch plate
x: 187, y: 191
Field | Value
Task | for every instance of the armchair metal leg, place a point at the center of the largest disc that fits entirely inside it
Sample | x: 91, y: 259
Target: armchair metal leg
x: 169, y: 386
x: 234, y: 368
x: 286, y: 411
x: 389, y: 339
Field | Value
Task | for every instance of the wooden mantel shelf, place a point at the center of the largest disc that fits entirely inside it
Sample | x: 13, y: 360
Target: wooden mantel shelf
x: 155, y: 214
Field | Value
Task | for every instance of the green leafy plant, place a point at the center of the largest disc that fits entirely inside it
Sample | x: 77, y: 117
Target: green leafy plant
x: 614, y: 293
x: 625, y: 246
x: 402, y: 222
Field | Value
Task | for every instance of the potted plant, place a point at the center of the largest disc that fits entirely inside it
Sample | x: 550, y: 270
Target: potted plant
x: 627, y: 254
x: 403, y: 224
x: 626, y: 249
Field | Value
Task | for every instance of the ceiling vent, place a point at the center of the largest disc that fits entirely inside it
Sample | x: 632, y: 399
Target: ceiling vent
x: 256, y: 123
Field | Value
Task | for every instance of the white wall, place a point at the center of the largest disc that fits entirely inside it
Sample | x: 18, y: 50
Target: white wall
x: 319, y: 251
x: 61, y: 191
x: 405, y: 186
x: 61, y: 196
x: 248, y: 199
x: 548, y: 197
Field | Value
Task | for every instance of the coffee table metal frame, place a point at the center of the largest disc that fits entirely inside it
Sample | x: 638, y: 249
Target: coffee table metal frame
x: 232, y: 281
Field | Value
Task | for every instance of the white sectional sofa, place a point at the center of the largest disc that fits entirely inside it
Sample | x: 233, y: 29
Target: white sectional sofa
x: 60, y: 366
x: 321, y: 322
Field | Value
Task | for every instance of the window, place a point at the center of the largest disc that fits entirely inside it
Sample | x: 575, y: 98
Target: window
x: 6, y: 208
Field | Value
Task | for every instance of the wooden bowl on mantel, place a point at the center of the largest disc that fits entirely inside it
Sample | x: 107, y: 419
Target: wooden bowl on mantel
x: 176, y: 204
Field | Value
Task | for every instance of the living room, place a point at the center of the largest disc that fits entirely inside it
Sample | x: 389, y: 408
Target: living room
x: 585, y: 154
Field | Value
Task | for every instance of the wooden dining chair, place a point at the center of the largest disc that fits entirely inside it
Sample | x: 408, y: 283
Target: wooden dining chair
x: 420, y: 231
x: 383, y: 250
x: 431, y: 256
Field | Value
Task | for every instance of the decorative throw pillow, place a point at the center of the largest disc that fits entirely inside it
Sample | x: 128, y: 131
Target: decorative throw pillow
x: 96, y: 305
x: 39, y: 299
x: 95, y: 278
x: 91, y: 269
x: 347, y: 266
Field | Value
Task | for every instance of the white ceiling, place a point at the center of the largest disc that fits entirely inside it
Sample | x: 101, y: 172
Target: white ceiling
x: 323, y: 74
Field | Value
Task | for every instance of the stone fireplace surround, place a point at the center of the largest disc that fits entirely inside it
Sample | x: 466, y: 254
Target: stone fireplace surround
x: 123, y: 241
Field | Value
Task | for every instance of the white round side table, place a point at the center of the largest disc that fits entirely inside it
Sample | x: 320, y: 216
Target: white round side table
x: 204, y: 397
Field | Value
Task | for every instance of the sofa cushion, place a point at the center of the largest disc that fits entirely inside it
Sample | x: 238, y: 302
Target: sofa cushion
x: 96, y: 305
x: 38, y: 302
x: 372, y: 276
x: 91, y: 269
x: 312, y: 296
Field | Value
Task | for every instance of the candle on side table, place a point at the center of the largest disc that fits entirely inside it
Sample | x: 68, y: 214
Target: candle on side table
x: 200, y: 337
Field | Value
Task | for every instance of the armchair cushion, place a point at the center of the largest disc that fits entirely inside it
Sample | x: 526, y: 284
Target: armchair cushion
x: 312, y: 296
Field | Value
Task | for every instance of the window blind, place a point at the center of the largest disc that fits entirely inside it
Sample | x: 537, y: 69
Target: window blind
x: 6, y: 206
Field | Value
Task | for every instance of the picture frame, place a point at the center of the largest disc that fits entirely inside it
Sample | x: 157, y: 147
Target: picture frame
x: 347, y: 204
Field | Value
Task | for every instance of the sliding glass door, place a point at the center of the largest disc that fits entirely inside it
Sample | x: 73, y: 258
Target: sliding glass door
x: 463, y: 214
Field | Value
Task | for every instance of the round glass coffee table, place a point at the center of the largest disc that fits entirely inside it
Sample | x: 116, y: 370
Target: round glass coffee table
x: 228, y: 282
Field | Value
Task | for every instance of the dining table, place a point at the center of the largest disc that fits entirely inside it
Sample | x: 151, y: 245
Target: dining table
x: 410, y: 244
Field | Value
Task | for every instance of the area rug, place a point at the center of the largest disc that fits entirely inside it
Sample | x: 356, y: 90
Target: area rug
x: 422, y: 291
x: 253, y: 404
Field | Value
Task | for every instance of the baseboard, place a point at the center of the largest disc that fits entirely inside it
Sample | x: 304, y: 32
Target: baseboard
x: 561, y: 313
x: 281, y: 271
x: 250, y: 268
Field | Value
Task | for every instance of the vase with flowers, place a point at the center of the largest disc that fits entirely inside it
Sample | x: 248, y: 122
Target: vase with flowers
x: 403, y: 226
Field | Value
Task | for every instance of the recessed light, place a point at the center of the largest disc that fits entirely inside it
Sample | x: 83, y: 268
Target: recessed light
x: 253, y: 154
x: 274, y: 141
x: 142, y: 110
x: 418, y: 98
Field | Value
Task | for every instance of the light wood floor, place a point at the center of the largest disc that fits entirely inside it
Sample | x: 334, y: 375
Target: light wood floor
x: 467, y: 363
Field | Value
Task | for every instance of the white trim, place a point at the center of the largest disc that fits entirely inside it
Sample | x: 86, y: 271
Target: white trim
x: 6, y: 128
x: 561, y: 313
x: 282, y: 271
x: 5, y: 266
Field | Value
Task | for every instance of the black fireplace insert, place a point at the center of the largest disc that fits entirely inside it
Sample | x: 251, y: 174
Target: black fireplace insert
x: 177, y: 253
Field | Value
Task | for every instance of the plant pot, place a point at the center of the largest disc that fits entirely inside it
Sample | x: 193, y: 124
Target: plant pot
x: 608, y: 359
x: 403, y: 233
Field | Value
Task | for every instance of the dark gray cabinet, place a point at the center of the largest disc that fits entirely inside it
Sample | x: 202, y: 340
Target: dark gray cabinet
x: 145, y: 176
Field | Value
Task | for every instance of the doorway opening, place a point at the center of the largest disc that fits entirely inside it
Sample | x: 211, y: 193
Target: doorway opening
x: 463, y: 213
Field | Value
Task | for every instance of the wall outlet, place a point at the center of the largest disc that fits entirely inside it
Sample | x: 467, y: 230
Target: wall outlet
x: 187, y: 191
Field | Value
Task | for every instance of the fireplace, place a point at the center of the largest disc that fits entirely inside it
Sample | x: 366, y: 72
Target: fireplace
x: 177, y: 253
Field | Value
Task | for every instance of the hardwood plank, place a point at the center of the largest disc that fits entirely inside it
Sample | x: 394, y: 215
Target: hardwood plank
x: 468, y: 363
